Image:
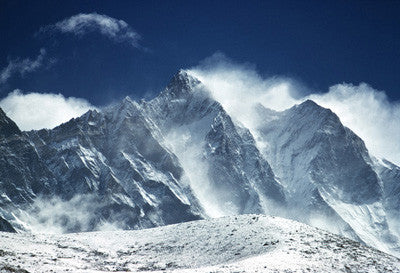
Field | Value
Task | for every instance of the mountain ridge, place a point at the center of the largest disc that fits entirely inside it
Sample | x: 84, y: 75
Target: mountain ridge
x: 181, y: 157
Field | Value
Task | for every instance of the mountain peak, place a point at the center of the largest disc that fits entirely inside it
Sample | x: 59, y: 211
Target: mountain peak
x: 7, y: 126
x: 181, y: 83
x: 311, y: 107
x: 309, y: 104
x: 127, y: 99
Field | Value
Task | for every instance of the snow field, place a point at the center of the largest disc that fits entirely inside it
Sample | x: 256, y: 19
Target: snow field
x: 247, y: 243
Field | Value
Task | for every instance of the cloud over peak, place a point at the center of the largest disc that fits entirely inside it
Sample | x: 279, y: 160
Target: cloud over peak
x: 37, y: 111
x: 369, y: 113
x: 80, y: 24
x: 365, y: 110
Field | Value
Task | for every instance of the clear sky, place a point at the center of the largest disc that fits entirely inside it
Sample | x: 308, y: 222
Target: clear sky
x: 100, y: 58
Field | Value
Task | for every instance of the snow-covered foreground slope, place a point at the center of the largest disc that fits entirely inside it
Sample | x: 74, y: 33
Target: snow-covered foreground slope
x: 246, y: 243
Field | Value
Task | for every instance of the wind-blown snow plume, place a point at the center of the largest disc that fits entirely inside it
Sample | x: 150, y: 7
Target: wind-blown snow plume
x: 22, y: 67
x: 188, y: 148
x: 238, y: 87
x: 80, y: 24
x: 368, y: 112
x: 37, y: 111
x: 58, y: 216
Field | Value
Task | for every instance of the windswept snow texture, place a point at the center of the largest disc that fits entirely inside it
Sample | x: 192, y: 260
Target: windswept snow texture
x: 234, y: 178
x: 247, y: 243
x: 181, y: 157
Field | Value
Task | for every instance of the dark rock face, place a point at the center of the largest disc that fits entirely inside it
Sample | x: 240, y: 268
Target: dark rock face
x: 23, y: 174
x: 115, y: 157
x: 101, y: 168
x: 239, y: 172
x: 6, y: 226
x: 7, y: 126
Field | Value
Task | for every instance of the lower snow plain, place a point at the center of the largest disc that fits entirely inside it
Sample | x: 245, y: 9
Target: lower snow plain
x: 246, y: 243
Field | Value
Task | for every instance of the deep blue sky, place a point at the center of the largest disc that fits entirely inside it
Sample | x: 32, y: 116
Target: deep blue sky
x: 320, y: 43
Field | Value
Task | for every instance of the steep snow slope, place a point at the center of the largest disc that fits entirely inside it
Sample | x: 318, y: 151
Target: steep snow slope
x: 247, y: 243
x: 23, y: 175
x: 389, y: 175
x: 225, y: 169
x: 327, y: 173
x: 112, y: 165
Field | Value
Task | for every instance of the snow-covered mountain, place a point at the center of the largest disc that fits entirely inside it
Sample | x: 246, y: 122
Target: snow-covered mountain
x: 182, y: 157
x: 225, y: 169
x: 328, y: 174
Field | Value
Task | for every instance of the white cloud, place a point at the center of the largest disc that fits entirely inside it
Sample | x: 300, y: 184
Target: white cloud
x: 366, y: 111
x: 369, y: 113
x: 80, y: 24
x: 22, y: 67
x: 238, y: 87
x: 37, y: 111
